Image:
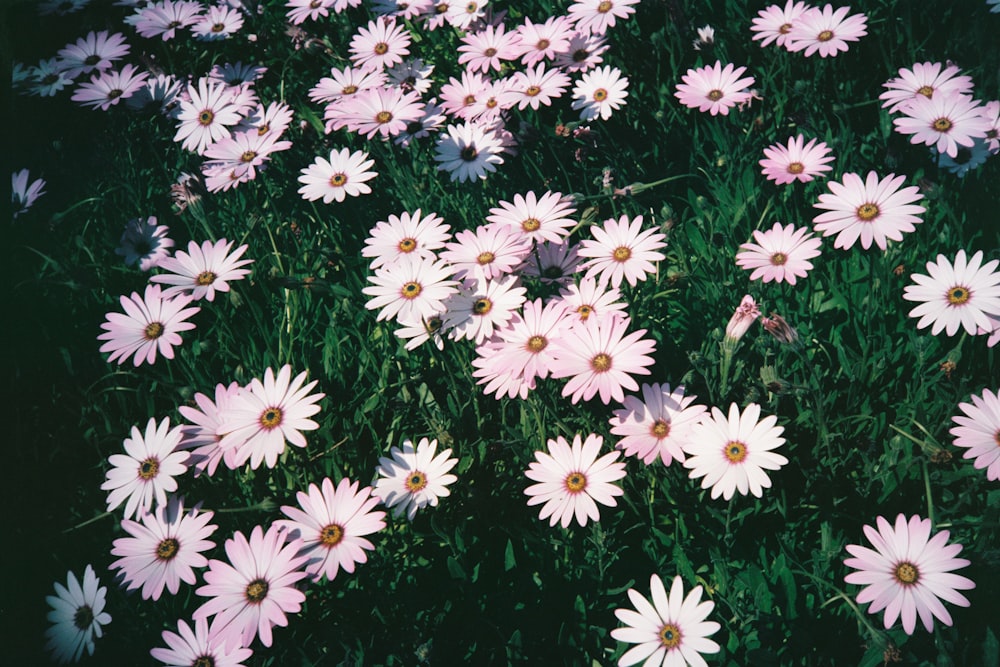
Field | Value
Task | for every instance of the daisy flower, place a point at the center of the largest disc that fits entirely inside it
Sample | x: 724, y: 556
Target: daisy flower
x: 468, y: 152
x: 96, y: 51
x: 553, y: 262
x: 781, y: 254
x: 773, y: 23
x: 657, y: 426
x: 163, y: 549
x: 956, y: 295
x: 874, y: 210
x: 487, y: 49
x: 146, y: 471
x: 243, y: 152
x: 255, y: 590
x: 908, y: 573
x: 205, y: 115
x: 266, y: 415
x: 796, y: 162
x: 162, y: 19
x: 382, y: 111
x: 331, y: 524
x: 77, y: 617
x: 107, y: 89
x: 670, y: 632
x: 413, y: 234
x: 414, y: 477
x: 978, y: 431
x: 596, y: 16
x: 826, y: 30
x: 923, y: 80
x: 201, y: 435
x: 583, y: 52
x: 219, y: 23
x: 144, y: 242
x: 715, y: 88
x: 943, y: 121
x: 620, y: 251
x: 599, y: 93
x: 410, y: 289
x: 270, y: 121
x: 346, y: 82
x: 300, y: 10
x: 464, y: 16
x: 537, y: 86
x: 496, y: 375
x: 599, y: 358
x: 542, y: 41
x: 487, y: 252
x: 202, y: 270
x: 159, y: 93
x: 457, y: 96
x: 731, y: 454
x: 544, y: 218
x: 991, y: 112
x: 411, y: 75
x: 381, y: 44
x: 525, y: 348
x: 188, y: 647
x: 46, y: 79
x: 416, y: 332
x: 482, y: 306
x: 343, y: 175
x: 150, y: 324
x: 572, y: 480
x: 591, y: 298
x: 431, y: 120
x: 23, y: 195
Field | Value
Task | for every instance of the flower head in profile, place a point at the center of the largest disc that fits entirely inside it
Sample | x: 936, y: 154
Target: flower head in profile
x: 978, y: 432
x: 908, y: 573
x: 163, y: 548
x: 255, y: 590
x: 203, y: 270
x: 670, y: 632
x: 146, y: 471
x: 956, y: 295
x: 571, y: 480
x: 414, y: 477
x: 714, y: 88
x: 826, y: 31
x: 742, y: 318
x: 150, y: 324
x: 875, y: 210
x: 732, y: 453
x: 622, y: 250
x: 201, y: 646
x: 77, y: 617
x: 144, y: 242
x: 781, y: 254
x: 332, y: 522
x: 658, y: 425
x: 344, y: 174
x: 796, y: 162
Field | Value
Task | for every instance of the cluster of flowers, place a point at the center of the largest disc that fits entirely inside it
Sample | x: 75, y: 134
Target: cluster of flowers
x: 801, y: 27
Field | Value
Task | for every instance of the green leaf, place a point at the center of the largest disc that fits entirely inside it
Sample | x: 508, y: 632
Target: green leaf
x: 455, y: 570
x: 509, y: 563
x: 991, y: 649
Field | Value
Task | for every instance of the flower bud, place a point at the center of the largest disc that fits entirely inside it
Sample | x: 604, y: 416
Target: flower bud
x: 779, y: 328
x: 742, y: 318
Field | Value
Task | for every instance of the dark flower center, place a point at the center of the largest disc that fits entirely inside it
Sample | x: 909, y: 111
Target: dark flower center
x: 256, y: 591
x: 271, y: 418
x: 381, y: 48
x: 153, y: 331
x: 482, y: 306
x: 83, y: 618
x: 941, y: 125
x: 407, y: 245
x: 411, y: 290
x: 660, y: 429
x: 907, y: 573
x: 167, y: 549
x: 205, y: 278
x: 958, y: 295
x: 206, y: 117
x: 469, y: 153
x: 537, y: 344
x: 796, y: 168
x: 825, y: 36
x: 600, y: 95
x: 338, y: 180
x: 576, y: 482
x: 417, y: 481
x: 331, y: 535
x: 92, y: 59
x: 622, y: 254
x: 715, y: 95
x: 148, y: 469
x: 670, y: 636
x: 778, y: 259
x: 600, y: 363
x: 867, y: 212
x: 735, y: 451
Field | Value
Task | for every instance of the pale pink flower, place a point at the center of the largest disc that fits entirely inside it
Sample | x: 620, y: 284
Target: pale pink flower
x: 943, y: 121
x: 924, y: 80
x: 732, y: 454
x: 458, y: 96
x: 488, y: 49
x: 77, y: 617
x: 163, y: 549
x: 591, y: 298
x: 201, y: 644
x: 145, y: 242
x: 201, y: 436
x: 796, y: 162
x: 622, y: 251
x: 714, y: 88
x: 467, y: 152
x: 908, y: 573
x: 489, y: 251
x: 203, y: 270
x: 411, y: 75
x: 23, y: 195
x: 583, y: 52
x: 413, y: 234
x: 150, y: 324
x: 300, y: 10
x: 991, y: 112
x: 482, y: 306
x: 596, y: 16
x: 657, y: 426
x: 414, y: 477
x: 745, y: 315
x: 432, y: 120
x: 599, y: 93
x: 781, y: 254
x: 145, y: 472
x: 542, y: 41
x: 874, y: 210
x: 255, y: 590
x: 205, y: 115
x: 978, y: 431
x: 544, y: 218
x: 382, y: 43
x: 410, y: 289
x: 773, y: 23
x: 956, y: 295
x: 571, y: 480
x: 220, y: 22
x: 599, y: 358
x: 162, y: 19
x: 526, y: 344
x: 377, y: 111
x: 537, y: 86
x: 553, y: 262
x: 108, y: 88
x: 245, y: 151
x: 342, y: 83
x: 344, y: 174
x: 826, y: 30
x: 332, y: 523
x: 96, y: 51
x: 416, y: 332
x: 495, y: 373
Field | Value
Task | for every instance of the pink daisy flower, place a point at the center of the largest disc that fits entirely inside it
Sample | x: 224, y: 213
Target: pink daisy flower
x: 418, y: 235
x: 621, y: 251
x: 414, y: 477
x: 23, y: 195
x: 219, y: 23
x: 488, y: 49
x: 542, y: 41
x: 162, y: 19
x: 826, y: 30
x: 416, y: 332
x: 874, y: 210
x: 332, y: 524
x: 537, y: 86
x: 246, y: 151
x: 346, y: 82
x: 458, y: 96
x: 493, y: 372
x: 144, y: 242
x: 553, y: 263
x: 978, y: 431
x: 77, y: 616
x: 382, y: 111
x: 544, y: 218
x: 773, y: 23
x: 410, y: 289
x: 583, y: 52
x: 525, y: 346
x: 464, y: 16
x: 150, y: 324
x: 591, y: 298
x: 188, y: 647
x: 201, y: 435
x: 203, y: 270
x: 991, y: 112
x: 487, y: 252
x: 163, y: 549
x: 300, y: 10
x: 781, y: 254
x: 109, y: 88
x: 381, y: 44
x: 467, y: 152
x: 146, y: 471
x: 715, y: 88
x: 270, y: 121
x: 657, y: 426
x: 596, y: 16
x: 96, y: 51
x: 733, y: 454
x: 571, y: 480
x: 482, y: 306
x: 956, y: 295
x: 491, y: 102
x: 943, y: 121
x: 923, y: 80
x: 344, y: 174
x: 205, y: 117
x: 411, y: 75
x: 908, y: 573
x: 796, y: 162
x: 599, y: 93
x: 255, y: 590
x: 599, y: 358
x: 266, y: 415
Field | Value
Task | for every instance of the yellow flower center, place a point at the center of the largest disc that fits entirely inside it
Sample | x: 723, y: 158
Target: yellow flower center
x: 383, y: 117
x: 825, y: 36
x: 531, y: 225
x: 206, y: 117
x: 796, y: 168
x: 407, y: 245
x: 600, y: 363
x: 148, y: 469
x: 604, y: 7
x: 153, y: 331
x: 867, y: 212
x: 338, y: 180
x: 532, y: 91
x: 331, y: 535
x: 349, y: 89
x: 576, y: 482
x: 660, y: 429
x: 907, y: 573
x: 584, y: 312
x: 926, y: 91
x: 622, y: 254
x: 205, y: 278
x: 417, y: 481
x: 485, y: 257
x: 411, y: 290
x: 482, y: 306
x: 715, y: 95
x: 735, y: 451
x: 958, y: 295
x: 600, y: 95
x: 167, y: 549
x: 537, y: 344
x: 670, y: 636
x: 256, y: 591
x: 248, y: 156
x: 941, y: 125
x: 381, y: 49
